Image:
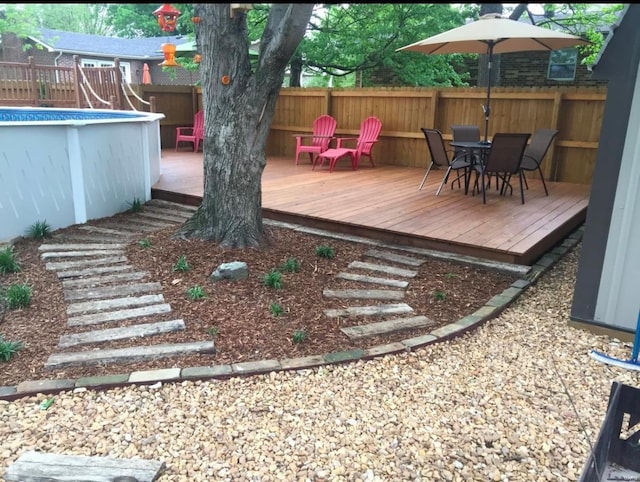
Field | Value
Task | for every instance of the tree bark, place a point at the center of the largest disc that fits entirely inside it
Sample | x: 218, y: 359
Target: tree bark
x: 295, y: 72
x: 238, y: 109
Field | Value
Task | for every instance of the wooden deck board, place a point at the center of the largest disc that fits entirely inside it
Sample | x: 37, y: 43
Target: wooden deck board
x: 384, y: 203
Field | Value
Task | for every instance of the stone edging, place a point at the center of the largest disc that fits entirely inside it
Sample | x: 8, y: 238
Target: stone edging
x: 491, y: 309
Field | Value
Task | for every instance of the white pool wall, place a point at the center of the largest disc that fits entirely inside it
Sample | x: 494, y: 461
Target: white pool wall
x: 70, y: 171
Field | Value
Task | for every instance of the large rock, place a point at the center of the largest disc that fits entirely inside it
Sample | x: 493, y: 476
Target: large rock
x: 236, y: 270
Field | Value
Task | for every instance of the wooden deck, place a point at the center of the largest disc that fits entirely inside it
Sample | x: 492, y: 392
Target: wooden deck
x: 384, y: 203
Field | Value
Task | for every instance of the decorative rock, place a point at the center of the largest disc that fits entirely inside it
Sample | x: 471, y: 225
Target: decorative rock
x: 234, y: 271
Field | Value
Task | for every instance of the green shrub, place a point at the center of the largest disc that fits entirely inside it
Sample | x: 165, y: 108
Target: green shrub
x: 213, y: 331
x: 299, y: 336
x: 273, y: 279
x: 8, y: 262
x: 39, y: 230
x: 181, y: 264
x: 18, y: 296
x: 135, y: 206
x: 439, y: 295
x: 325, y: 251
x: 9, y: 348
x: 291, y: 265
x: 196, y: 292
x: 276, y: 309
x: 145, y: 243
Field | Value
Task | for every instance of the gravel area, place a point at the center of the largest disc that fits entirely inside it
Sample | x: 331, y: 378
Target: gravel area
x: 518, y: 399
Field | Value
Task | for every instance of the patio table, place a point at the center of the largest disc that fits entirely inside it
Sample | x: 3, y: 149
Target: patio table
x: 481, y: 148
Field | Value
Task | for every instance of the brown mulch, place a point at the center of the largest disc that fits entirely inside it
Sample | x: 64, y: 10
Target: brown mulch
x: 238, y: 315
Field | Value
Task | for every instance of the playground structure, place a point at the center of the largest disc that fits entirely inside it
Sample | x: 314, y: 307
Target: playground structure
x: 29, y: 84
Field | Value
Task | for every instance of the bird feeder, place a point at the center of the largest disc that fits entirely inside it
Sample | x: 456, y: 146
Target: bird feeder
x: 167, y: 17
x: 169, y: 52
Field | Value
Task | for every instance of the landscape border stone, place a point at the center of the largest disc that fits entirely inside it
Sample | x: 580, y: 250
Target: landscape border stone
x: 491, y: 309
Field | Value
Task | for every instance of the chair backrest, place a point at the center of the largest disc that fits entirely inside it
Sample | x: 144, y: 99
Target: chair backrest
x: 465, y: 133
x: 436, y: 146
x: 198, y: 124
x: 540, y: 143
x: 325, y: 125
x: 369, y: 131
x: 506, y: 152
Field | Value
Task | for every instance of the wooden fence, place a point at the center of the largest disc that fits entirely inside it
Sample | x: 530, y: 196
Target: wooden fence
x: 575, y: 112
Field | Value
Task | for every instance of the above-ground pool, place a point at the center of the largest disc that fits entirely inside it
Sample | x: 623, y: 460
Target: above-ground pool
x: 66, y: 166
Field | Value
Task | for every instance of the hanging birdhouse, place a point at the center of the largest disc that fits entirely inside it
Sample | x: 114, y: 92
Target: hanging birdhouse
x: 167, y: 17
x: 169, y: 52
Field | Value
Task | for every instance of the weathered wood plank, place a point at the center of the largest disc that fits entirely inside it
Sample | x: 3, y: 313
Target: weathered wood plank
x: 81, y: 246
x: 76, y: 273
x: 376, y: 310
x: 386, y: 327
x: 81, y: 254
x: 395, y: 257
x: 102, y: 280
x: 122, y: 333
x: 113, y: 303
x: 364, y: 294
x: 383, y: 269
x: 119, y: 315
x: 43, y: 467
x: 108, y: 291
x: 372, y: 279
x: 85, y: 263
x: 127, y: 355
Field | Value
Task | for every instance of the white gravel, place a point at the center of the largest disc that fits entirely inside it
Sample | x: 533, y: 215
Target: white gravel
x: 489, y: 406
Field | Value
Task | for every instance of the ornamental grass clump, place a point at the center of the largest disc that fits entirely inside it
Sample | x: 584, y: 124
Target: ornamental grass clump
x: 9, y: 348
x: 39, y: 230
x: 8, y: 261
x: 273, y: 279
x: 18, y: 296
x: 291, y: 265
x: 325, y: 252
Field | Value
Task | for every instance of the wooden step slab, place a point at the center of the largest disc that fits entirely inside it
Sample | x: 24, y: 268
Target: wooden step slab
x: 170, y: 204
x: 119, y: 315
x: 130, y: 227
x: 77, y: 273
x: 395, y: 257
x: 374, y: 280
x: 111, y: 291
x: 94, y: 238
x: 375, y: 310
x: 84, y: 263
x: 383, y: 268
x: 151, y: 223
x: 44, y: 467
x: 122, y: 333
x: 127, y: 355
x: 80, y: 246
x: 103, y: 280
x: 162, y: 217
x: 113, y: 304
x: 81, y: 254
x: 180, y: 213
x: 97, y: 229
x: 364, y: 294
x: 386, y: 327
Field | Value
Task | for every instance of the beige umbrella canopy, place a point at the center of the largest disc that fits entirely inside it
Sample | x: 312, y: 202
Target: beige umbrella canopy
x: 493, y: 34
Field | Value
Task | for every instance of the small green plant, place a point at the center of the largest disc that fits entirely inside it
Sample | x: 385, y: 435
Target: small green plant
x: 39, y: 230
x: 291, y: 265
x: 18, y: 296
x: 439, y: 295
x: 276, y: 309
x: 181, y: 264
x: 325, y: 251
x: 135, y: 206
x: 213, y: 331
x: 273, y: 279
x: 9, y: 348
x: 145, y: 243
x: 451, y: 275
x: 196, y: 292
x: 8, y: 262
x: 299, y: 336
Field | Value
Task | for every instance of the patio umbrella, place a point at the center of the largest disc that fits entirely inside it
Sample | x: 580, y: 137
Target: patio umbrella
x: 146, y: 75
x: 493, y: 34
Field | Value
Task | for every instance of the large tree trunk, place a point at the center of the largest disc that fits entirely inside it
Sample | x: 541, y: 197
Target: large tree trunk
x: 238, y: 109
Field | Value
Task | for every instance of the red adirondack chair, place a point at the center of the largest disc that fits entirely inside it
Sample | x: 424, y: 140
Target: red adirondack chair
x: 193, y: 134
x: 323, y: 129
x: 369, y: 132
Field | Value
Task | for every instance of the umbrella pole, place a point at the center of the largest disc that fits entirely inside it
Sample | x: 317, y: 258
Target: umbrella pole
x: 486, y: 108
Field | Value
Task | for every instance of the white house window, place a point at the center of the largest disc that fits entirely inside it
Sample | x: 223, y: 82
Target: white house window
x: 125, y: 67
x: 562, y: 64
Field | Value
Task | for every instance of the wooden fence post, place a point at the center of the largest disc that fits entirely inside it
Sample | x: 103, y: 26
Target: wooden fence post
x: 76, y: 81
x: 328, y: 101
x: 118, y: 74
x: 435, y: 98
x: 35, y: 91
x: 152, y: 104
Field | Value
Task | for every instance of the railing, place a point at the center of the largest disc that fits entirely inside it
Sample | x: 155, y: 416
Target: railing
x: 56, y: 86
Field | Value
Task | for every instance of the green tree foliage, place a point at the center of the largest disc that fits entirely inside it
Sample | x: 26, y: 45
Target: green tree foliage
x: 90, y: 18
x: 362, y: 37
x: 136, y: 20
x: 15, y: 19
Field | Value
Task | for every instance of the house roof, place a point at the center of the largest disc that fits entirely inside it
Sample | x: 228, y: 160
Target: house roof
x: 87, y: 44
x: 612, y: 31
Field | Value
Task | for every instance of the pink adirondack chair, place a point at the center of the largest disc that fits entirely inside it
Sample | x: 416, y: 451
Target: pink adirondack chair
x: 369, y: 131
x: 193, y: 134
x: 323, y: 129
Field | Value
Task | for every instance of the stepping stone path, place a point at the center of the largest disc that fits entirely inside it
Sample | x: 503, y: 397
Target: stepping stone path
x: 101, y: 288
x: 397, y: 281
